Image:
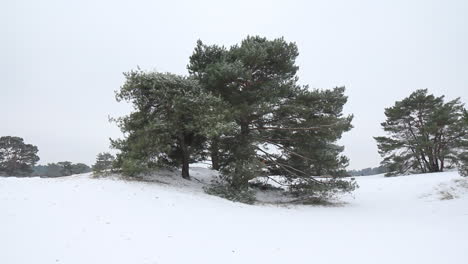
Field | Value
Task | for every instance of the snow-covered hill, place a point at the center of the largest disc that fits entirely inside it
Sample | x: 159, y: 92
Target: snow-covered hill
x: 78, y: 219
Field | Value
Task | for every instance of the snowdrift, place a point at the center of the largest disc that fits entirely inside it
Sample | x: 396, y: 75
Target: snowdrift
x: 79, y: 219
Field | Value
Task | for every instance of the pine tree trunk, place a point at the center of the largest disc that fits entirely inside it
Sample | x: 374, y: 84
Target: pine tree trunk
x: 426, y: 164
x: 185, y: 157
x: 243, y: 154
x: 215, y: 154
x: 244, y: 128
x: 185, y: 169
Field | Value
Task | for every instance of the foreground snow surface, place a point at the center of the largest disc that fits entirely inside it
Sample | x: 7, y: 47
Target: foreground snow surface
x: 78, y: 219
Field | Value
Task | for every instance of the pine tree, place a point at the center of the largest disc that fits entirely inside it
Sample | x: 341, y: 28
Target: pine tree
x: 426, y: 134
x: 257, y: 79
x: 16, y: 157
x: 104, y: 163
x: 173, y: 117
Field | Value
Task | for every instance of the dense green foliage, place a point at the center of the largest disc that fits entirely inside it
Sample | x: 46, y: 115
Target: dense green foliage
x: 16, y: 157
x: 311, y: 191
x: 426, y: 134
x: 230, y: 192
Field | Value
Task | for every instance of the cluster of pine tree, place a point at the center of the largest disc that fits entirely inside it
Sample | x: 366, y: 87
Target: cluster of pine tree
x: 241, y: 107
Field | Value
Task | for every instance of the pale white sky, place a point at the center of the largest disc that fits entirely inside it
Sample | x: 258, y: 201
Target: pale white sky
x: 61, y: 61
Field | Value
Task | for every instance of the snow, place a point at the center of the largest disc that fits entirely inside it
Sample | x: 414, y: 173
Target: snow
x: 79, y: 219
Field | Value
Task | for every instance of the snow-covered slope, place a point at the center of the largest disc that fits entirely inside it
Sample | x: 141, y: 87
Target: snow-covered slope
x: 78, y: 219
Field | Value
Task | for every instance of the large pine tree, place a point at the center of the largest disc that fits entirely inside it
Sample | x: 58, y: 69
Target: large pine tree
x: 281, y: 126
x: 426, y: 134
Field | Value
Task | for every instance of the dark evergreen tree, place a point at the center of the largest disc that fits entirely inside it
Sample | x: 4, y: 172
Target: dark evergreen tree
x: 16, y: 157
x: 426, y: 134
x: 250, y: 77
x: 173, y: 117
x: 104, y: 163
x: 257, y: 79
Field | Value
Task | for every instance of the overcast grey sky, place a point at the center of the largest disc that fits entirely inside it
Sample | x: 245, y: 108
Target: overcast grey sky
x: 61, y: 61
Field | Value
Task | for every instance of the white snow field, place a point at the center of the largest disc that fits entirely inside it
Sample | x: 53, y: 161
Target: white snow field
x: 78, y: 219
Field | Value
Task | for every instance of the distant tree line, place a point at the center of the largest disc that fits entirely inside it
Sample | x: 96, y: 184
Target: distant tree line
x: 63, y: 168
x: 19, y: 159
x: 368, y: 171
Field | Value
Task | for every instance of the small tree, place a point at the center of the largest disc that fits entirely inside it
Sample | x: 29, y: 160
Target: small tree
x: 426, y: 134
x: 16, y: 157
x: 104, y: 163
